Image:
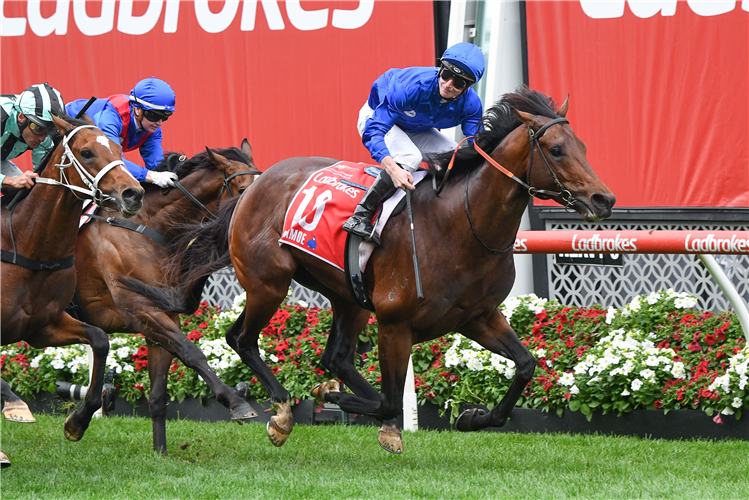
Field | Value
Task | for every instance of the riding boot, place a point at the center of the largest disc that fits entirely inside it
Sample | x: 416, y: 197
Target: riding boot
x: 360, y: 223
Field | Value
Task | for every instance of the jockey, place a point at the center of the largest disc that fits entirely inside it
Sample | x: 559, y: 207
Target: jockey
x: 398, y: 123
x: 134, y: 122
x: 27, y: 124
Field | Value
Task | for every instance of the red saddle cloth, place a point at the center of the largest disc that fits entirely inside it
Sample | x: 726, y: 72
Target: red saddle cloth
x: 315, y: 218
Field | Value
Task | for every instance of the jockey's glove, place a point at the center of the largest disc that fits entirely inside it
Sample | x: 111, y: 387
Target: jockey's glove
x: 163, y: 179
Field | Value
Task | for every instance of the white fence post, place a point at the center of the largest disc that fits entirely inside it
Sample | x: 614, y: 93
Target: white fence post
x: 731, y: 294
x: 410, y: 404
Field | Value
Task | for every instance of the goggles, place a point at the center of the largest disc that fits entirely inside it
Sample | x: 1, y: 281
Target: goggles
x: 154, y: 116
x: 448, y: 72
x: 38, y: 129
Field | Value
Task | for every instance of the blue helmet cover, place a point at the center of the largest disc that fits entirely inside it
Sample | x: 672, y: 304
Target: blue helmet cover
x: 152, y: 93
x: 468, y: 56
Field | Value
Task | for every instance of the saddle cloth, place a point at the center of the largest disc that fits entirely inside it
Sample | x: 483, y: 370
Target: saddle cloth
x: 314, y: 220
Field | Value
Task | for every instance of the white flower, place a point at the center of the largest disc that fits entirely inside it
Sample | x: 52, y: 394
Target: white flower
x: 541, y: 353
x: 239, y: 301
x: 574, y: 390
x: 35, y: 362
x: 625, y: 392
x: 128, y: 368
x: 737, y: 403
x: 647, y: 374
x: 678, y: 370
x: 567, y: 379
x: 274, y: 358
x: 123, y: 352
x: 727, y: 411
x: 653, y: 298
x: 58, y: 364
x: 636, y: 384
x: 447, y: 403
x: 610, y: 315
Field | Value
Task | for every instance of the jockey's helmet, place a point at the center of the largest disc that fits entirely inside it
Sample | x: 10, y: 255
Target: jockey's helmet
x: 467, y: 57
x: 153, y: 94
x: 38, y: 103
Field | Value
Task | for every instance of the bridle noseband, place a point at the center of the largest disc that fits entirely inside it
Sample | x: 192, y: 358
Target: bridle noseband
x: 92, y: 182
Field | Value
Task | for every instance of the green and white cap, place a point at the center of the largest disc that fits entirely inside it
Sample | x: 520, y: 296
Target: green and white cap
x: 39, y: 102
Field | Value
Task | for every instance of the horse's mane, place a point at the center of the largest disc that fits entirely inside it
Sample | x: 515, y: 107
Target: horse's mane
x: 171, y: 163
x: 498, y: 121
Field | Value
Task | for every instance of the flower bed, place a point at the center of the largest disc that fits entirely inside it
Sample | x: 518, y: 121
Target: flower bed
x: 656, y: 353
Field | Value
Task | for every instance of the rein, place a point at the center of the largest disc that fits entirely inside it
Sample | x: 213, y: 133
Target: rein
x: 542, y: 194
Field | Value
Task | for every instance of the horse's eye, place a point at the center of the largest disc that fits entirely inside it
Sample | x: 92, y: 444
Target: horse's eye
x: 556, y: 151
x: 87, y: 154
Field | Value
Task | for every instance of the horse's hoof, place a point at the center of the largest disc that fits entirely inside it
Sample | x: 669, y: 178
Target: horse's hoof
x: 280, y: 425
x: 4, y: 460
x: 72, y: 433
x: 276, y: 433
x: 244, y: 412
x: 391, y: 439
x: 18, y: 411
x: 320, y: 390
x: 463, y: 423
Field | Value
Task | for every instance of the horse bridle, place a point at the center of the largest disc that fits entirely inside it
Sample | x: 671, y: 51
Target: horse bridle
x: 542, y: 194
x: 91, y: 181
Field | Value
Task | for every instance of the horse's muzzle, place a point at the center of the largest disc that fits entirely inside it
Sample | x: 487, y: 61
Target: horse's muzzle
x: 131, y: 202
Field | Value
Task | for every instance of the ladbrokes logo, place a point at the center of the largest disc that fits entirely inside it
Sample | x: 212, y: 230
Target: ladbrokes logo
x: 595, y: 243
x: 711, y: 244
x: 209, y: 21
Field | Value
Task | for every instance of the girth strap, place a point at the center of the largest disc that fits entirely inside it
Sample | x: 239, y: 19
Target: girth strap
x: 138, y: 228
x: 37, y: 265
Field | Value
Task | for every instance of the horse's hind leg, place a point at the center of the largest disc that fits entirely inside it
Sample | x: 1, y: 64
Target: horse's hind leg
x: 67, y: 331
x: 15, y: 409
x: 496, y: 334
x: 159, y: 360
x: 262, y: 303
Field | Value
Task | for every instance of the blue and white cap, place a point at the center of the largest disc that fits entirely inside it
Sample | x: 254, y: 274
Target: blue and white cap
x: 155, y: 94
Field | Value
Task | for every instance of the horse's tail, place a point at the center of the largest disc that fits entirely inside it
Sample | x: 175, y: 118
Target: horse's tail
x: 199, y: 251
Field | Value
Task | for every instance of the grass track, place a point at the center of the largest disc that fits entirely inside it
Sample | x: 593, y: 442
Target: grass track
x: 225, y: 461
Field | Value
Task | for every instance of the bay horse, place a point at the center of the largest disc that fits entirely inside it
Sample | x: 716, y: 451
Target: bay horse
x: 464, y: 238
x: 38, y: 243
x: 106, y: 250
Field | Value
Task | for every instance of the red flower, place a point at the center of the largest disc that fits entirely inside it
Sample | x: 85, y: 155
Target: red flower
x: 142, y: 351
x: 542, y: 315
x: 318, y: 352
x: 203, y: 325
x: 364, y: 356
x: 372, y: 320
x: 658, y: 403
x: 567, y: 395
x: 372, y: 368
x: 444, y: 374
x: 253, y: 380
x: 694, y: 346
x: 194, y: 335
x: 429, y: 395
x: 570, y: 342
x: 282, y: 346
x: 198, y: 313
x: 736, y: 350
x: 379, y: 379
x: 454, y: 378
x: 717, y: 419
x: 140, y: 387
x: 319, y: 371
x: 435, y: 348
x: 710, y: 339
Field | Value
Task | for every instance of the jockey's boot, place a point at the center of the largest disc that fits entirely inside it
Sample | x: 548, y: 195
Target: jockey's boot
x: 360, y: 223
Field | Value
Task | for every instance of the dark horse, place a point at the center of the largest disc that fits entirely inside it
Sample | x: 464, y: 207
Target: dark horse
x: 40, y: 234
x: 478, y: 212
x: 106, y: 250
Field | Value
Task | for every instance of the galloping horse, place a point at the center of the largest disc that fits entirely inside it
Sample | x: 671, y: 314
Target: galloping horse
x: 106, y: 250
x: 38, y: 241
x: 464, y: 238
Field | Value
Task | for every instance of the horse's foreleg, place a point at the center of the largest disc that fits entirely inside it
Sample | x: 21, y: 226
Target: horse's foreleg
x: 162, y: 330
x: 159, y: 360
x: 67, y: 331
x: 496, y: 335
x: 15, y: 409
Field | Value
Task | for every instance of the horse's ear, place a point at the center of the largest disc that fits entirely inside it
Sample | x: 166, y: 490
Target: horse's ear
x: 218, y: 160
x: 564, y: 107
x: 62, y: 126
x: 529, y: 119
x: 247, y: 149
x: 88, y: 120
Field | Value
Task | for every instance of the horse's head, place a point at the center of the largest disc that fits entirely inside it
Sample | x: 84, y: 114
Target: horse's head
x: 97, y: 168
x: 561, y: 171
x: 236, y: 175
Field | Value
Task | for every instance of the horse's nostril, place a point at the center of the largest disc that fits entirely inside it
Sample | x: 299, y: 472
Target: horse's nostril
x: 132, y: 195
x: 602, y: 201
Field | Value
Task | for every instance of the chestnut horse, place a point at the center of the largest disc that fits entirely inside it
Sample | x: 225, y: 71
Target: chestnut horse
x: 464, y: 238
x: 39, y: 234
x: 106, y: 250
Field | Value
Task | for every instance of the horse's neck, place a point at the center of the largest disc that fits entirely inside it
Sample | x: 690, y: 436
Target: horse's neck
x: 161, y: 213
x: 497, y: 202
x: 45, y: 223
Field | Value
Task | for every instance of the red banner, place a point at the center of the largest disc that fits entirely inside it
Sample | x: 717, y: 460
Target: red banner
x: 289, y: 76
x: 620, y: 242
x: 659, y: 93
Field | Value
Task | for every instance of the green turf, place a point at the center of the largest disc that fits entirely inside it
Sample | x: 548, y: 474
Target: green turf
x: 225, y: 461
